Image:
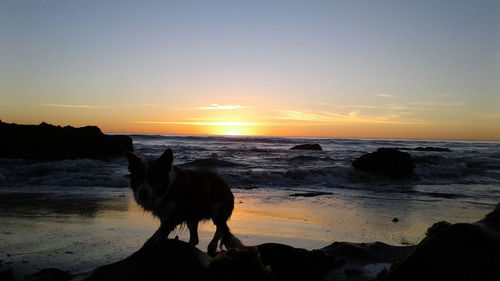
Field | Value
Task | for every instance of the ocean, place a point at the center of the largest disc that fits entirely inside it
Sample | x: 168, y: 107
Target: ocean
x: 459, y: 186
x: 469, y: 173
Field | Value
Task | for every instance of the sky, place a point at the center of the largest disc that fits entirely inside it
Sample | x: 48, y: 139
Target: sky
x: 367, y: 69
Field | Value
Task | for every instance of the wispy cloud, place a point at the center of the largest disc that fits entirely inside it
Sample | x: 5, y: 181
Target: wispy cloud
x: 215, y: 106
x: 299, y: 115
x: 76, y: 106
x: 138, y: 105
x: 437, y: 104
x: 386, y: 96
x: 354, y: 116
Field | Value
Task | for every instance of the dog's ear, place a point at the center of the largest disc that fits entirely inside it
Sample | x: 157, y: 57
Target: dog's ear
x: 134, y: 161
x: 167, y: 158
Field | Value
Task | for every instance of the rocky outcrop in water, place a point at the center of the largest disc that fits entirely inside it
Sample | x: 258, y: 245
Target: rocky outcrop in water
x: 389, y: 162
x: 49, y: 142
x: 307, y: 146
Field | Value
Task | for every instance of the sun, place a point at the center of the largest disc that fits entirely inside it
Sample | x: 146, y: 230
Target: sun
x: 233, y: 128
x: 233, y: 133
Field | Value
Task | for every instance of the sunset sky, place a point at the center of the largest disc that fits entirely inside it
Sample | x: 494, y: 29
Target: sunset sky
x: 374, y: 69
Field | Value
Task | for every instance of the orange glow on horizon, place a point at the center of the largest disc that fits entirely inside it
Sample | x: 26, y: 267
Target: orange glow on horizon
x: 256, y: 119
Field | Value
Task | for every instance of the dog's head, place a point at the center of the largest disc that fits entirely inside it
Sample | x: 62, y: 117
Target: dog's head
x: 150, y: 180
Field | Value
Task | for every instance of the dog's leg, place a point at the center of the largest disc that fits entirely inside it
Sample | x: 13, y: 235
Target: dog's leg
x: 227, y: 238
x: 193, y: 232
x: 162, y: 232
x: 212, y: 247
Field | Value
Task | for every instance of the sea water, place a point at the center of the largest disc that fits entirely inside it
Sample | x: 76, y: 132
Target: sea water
x: 460, y: 185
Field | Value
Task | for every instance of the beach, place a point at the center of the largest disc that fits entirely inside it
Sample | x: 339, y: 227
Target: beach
x: 80, y: 229
x: 79, y: 214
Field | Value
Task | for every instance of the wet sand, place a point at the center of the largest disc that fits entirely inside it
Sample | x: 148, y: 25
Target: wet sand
x: 79, y: 229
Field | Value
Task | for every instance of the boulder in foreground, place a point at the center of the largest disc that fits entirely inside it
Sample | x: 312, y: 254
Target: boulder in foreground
x: 307, y: 146
x: 454, y: 252
x: 49, y: 142
x: 388, y: 162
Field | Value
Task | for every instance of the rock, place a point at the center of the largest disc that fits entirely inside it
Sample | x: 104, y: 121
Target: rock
x: 49, y: 142
x: 455, y: 252
x: 429, y: 148
x: 353, y: 273
x: 171, y: 259
x: 7, y: 275
x: 309, y: 146
x: 388, y: 162
x: 50, y: 274
x: 367, y: 253
x: 166, y: 259
x: 239, y: 264
x: 289, y: 263
x: 309, y: 194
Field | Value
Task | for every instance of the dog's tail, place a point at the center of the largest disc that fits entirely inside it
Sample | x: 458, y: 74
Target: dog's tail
x: 228, y: 240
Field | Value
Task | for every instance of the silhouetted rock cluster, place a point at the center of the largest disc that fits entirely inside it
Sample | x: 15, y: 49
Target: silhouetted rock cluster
x: 49, y: 142
x: 389, y: 162
x: 454, y: 252
x: 308, y: 146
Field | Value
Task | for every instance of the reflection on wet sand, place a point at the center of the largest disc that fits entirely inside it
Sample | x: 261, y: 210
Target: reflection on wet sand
x: 81, y: 228
x: 49, y: 204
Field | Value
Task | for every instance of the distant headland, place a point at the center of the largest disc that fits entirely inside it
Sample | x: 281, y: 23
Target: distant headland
x: 50, y: 142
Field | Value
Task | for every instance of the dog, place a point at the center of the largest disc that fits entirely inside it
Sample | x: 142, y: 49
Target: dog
x: 181, y: 196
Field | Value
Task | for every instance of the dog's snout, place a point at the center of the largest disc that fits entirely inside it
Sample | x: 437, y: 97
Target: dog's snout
x: 143, y: 195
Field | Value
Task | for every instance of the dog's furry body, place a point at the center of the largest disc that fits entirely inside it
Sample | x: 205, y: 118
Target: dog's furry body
x: 177, y: 196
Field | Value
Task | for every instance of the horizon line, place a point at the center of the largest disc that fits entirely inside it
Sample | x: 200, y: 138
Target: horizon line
x: 311, y: 137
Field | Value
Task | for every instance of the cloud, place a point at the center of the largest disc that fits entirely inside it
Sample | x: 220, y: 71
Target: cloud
x: 354, y: 116
x: 76, y: 106
x: 307, y: 116
x: 438, y: 104
x: 386, y: 96
x: 215, y: 106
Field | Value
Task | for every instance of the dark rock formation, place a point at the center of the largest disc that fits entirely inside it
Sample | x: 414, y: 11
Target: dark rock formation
x: 289, y: 263
x: 7, y: 275
x: 457, y: 252
x: 170, y: 259
x: 367, y: 253
x: 308, y: 146
x: 309, y: 194
x: 51, y: 274
x: 166, y: 259
x: 49, y: 142
x: 388, y: 162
